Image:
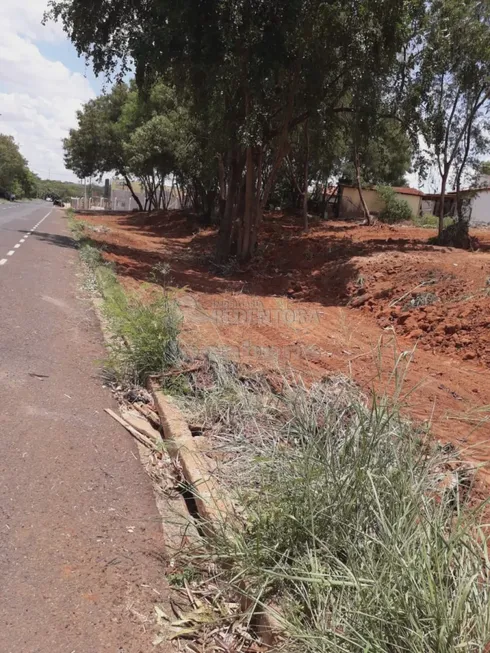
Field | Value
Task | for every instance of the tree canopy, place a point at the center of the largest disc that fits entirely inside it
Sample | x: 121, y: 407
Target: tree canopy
x: 15, y: 176
x: 238, y: 100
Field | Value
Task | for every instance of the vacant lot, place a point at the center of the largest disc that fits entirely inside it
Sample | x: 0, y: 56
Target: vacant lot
x: 342, y: 297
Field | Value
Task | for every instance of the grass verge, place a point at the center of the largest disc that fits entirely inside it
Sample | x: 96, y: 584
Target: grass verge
x: 145, y: 329
x: 355, y: 527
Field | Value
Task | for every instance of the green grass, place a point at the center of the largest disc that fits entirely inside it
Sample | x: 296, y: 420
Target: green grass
x: 430, y: 221
x: 148, y: 333
x: 145, y: 330
x: 345, y: 525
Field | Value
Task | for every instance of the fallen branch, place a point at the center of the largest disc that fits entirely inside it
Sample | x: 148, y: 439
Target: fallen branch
x: 420, y: 285
x: 136, y: 434
x: 150, y: 414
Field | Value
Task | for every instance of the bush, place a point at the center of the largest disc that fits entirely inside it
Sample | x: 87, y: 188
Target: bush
x: 456, y: 234
x: 395, y: 209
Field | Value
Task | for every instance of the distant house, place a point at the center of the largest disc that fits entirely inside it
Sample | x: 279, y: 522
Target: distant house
x: 350, y: 203
x: 476, y: 204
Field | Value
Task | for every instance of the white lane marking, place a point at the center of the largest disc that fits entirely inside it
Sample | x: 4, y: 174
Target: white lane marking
x: 22, y: 240
x: 42, y: 220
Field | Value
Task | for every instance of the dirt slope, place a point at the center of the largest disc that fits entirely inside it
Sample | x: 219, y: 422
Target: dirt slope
x: 340, y: 298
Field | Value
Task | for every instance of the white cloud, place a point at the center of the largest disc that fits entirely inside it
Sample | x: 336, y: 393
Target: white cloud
x: 38, y: 97
x: 24, y: 17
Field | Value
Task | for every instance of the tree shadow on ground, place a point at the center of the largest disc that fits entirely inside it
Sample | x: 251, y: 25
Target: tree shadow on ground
x: 54, y: 239
x: 318, y: 266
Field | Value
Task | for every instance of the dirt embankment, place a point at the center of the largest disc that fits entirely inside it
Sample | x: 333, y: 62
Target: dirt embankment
x: 340, y: 298
x: 441, y: 300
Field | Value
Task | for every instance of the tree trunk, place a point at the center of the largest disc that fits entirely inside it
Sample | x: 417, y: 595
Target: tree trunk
x: 324, y: 201
x: 442, y: 201
x: 245, y: 233
x: 305, y: 179
x: 257, y: 211
x: 222, y: 186
x: 133, y: 194
x: 367, y: 215
x: 227, y: 230
x: 180, y: 196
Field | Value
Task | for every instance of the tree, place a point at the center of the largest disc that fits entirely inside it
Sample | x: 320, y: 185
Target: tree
x: 13, y: 166
x: 259, y: 69
x: 453, y: 87
x: 97, y: 146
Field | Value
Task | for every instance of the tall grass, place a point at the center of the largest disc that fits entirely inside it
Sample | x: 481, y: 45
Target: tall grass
x: 347, y: 527
x: 145, y: 328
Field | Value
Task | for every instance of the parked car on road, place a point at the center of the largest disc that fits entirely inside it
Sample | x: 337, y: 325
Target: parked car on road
x: 58, y: 201
x: 7, y: 195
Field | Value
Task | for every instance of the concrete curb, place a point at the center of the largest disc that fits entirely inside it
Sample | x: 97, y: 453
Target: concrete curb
x: 212, y: 506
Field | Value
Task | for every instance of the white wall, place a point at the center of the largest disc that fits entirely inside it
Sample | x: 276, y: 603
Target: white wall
x: 480, y: 208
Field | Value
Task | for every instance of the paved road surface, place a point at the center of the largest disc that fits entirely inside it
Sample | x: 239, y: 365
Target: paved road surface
x: 79, y: 532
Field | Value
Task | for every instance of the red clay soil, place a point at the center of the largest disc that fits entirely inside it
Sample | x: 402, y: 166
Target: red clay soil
x: 341, y: 298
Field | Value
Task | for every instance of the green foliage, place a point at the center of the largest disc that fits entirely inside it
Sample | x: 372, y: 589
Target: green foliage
x: 15, y: 176
x: 385, y: 156
x: 244, y: 87
x: 147, y: 331
x: 250, y: 75
x: 65, y: 189
x: 182, y: 576
x: 90, y: 254
x: 149, y: 135
x: 430, y: 221
x: 453, y: 98
x: 395, y: 209
x: 484, y: 168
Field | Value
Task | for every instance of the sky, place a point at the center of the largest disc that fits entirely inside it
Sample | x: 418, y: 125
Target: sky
x: 42, y: 84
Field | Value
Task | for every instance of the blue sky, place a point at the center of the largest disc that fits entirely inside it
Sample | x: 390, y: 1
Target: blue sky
x: 42, y: 84
x: 64, y: 51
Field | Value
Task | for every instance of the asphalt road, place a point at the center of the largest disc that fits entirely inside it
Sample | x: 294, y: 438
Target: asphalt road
x: 80, y: 535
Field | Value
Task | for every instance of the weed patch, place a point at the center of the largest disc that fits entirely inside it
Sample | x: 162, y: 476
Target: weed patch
x: 148, y: 335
